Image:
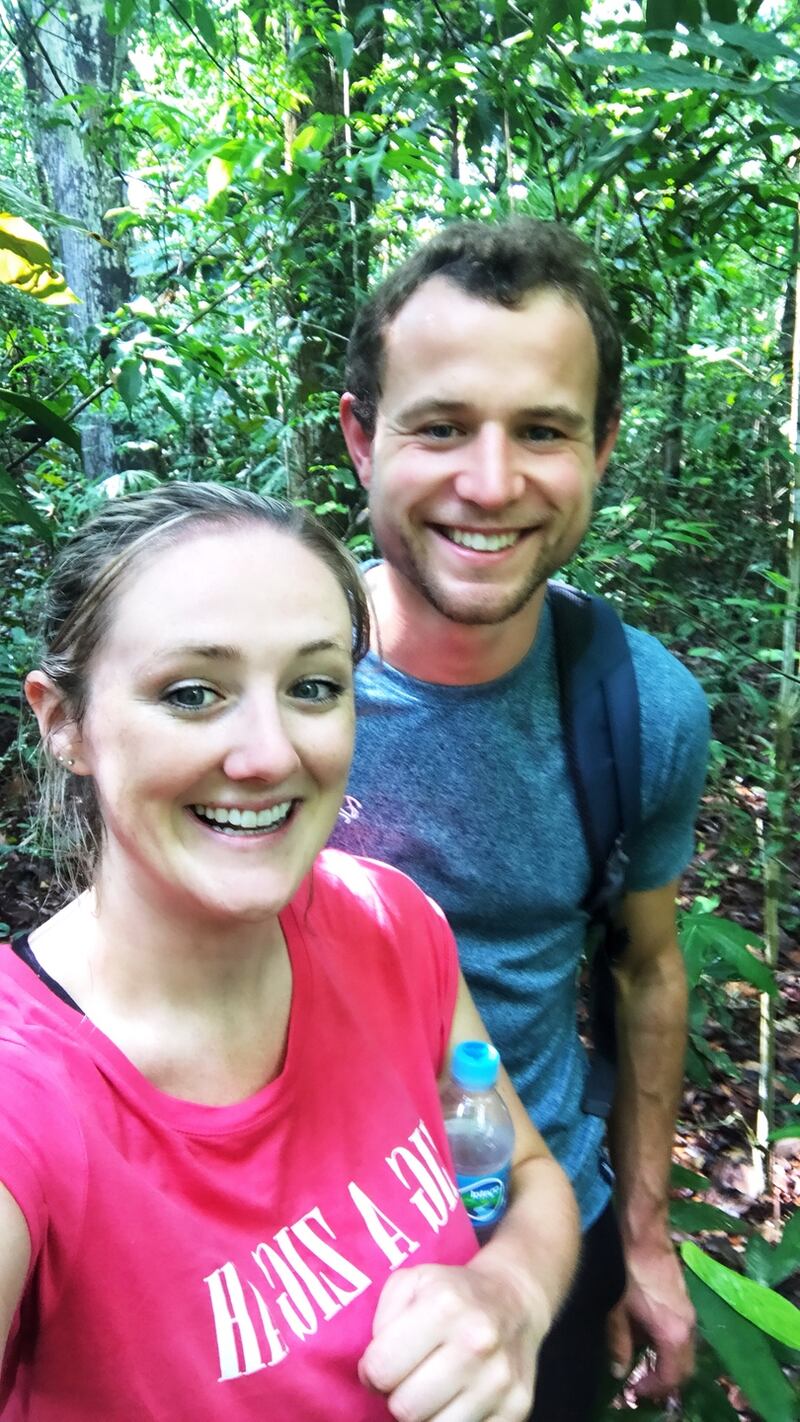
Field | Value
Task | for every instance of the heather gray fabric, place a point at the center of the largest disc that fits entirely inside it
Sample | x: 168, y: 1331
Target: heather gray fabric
x: 467, y: 790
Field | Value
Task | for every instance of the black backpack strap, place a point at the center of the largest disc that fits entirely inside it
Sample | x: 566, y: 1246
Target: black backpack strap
x: 600, y: 720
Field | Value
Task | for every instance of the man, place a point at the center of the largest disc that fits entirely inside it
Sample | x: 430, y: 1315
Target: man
x: 483, y: 405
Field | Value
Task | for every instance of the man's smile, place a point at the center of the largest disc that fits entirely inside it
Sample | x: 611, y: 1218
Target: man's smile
x: 482, y: 541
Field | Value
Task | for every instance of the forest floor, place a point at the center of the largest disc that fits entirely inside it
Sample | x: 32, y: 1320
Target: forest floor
x: 716, y: 1119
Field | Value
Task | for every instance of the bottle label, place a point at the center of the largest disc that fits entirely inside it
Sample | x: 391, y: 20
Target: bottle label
x: 484, y: 1196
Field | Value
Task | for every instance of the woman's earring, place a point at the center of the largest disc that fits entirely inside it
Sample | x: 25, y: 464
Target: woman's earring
x: 66, y: 761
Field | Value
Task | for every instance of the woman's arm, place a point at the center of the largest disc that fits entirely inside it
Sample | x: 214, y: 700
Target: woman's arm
x: 460, y: 1344
x: 15, y: 1258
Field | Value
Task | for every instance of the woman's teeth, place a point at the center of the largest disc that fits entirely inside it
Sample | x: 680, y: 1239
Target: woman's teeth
x: 233, y: 821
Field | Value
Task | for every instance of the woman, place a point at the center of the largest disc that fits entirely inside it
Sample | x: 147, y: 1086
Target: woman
x: 223, y: 1190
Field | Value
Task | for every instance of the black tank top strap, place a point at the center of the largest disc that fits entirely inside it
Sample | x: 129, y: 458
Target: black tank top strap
x: 20, y: 945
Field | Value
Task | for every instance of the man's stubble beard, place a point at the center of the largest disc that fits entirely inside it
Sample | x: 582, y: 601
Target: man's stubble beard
x: 414, y: 573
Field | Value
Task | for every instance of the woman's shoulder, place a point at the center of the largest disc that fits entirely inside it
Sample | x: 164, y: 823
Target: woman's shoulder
x: 364, y: 886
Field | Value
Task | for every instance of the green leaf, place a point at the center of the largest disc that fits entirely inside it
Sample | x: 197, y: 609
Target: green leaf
x: 53, y: 424
x: 758, y: 1260
x: 681, y: 1178
x: 761, y: 44
x: 789, y: 1132
x: 693, y: 1216
x: 705, y: 936
x: 204, y: 24
x: 341, y: 45
x: 768, y: 1310
x: 724, y: 10
x: 128, y: 382
x: 702, y: 1397
x: 690, y: 13
x: 786, y: 1255
x: 743, y: 1351
x: 17, y: 509
x: 660, y: 15
x: 167, y: 404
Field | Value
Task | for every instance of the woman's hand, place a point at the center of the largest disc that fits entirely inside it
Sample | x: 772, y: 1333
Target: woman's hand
x: 457, y: 1344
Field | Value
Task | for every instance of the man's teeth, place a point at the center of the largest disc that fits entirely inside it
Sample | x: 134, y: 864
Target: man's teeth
x: 482, y: 542
x: 233, y: 819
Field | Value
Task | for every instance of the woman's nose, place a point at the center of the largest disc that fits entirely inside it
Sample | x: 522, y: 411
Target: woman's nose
x: 261, y: 746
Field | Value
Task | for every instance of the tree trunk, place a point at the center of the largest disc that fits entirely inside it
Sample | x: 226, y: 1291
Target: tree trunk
x: 77, y: 155
x: 672, y: 446
x: 326, y: 289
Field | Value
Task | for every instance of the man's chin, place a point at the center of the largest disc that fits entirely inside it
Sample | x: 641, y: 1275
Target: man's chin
x: 483, y: 607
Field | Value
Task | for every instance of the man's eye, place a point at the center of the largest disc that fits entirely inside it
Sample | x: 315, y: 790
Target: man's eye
x: 192, y: 696
x: 440, y: 430
x: 317, y: 689
x: 541, y: 434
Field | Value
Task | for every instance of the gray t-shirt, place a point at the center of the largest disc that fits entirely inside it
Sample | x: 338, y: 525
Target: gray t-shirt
x: 467, y: 790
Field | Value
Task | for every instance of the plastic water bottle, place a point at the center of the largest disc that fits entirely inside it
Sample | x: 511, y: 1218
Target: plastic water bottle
x: 480, y: 1133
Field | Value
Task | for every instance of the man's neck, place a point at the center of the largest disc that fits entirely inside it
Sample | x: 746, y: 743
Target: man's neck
x: 413, y: 637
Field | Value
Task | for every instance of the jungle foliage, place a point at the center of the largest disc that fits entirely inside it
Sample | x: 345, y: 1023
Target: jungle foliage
x: 194, y: 195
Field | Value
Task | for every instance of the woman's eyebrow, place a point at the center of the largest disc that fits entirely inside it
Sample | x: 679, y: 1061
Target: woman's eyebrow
x: 207, y: 651
x: 323, y: 644
x: 217, y: 652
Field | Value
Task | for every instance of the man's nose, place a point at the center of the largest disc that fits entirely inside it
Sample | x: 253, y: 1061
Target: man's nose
x: 260, y: 745
x: 490, y: 475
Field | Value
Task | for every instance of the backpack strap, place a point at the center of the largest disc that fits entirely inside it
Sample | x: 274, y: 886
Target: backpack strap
x: 600, y: 721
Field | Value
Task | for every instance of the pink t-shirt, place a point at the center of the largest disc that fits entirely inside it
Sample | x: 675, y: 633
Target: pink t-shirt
x: 194, y: 1262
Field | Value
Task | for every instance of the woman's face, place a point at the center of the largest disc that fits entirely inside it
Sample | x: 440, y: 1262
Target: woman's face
x: 219, y: 722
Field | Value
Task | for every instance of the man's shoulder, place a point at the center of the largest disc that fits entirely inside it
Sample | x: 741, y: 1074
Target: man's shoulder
x: 668, y: 691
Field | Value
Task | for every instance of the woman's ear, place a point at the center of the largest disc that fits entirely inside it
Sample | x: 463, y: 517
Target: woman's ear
x: 57, y: 725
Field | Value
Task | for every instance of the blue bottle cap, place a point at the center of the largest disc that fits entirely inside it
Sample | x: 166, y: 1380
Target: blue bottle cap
x: 475, y: 1065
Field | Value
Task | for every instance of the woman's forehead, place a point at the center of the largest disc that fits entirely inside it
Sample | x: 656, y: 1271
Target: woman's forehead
x: 220, y: 585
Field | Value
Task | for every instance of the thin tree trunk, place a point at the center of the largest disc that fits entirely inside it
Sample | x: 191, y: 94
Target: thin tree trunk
x: 672, y: 446
x: 786, y: 717
x: 79, y: 163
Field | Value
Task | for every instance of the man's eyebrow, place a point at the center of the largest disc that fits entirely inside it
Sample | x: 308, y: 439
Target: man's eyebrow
x: 429, y: 409
x: 564, y: 415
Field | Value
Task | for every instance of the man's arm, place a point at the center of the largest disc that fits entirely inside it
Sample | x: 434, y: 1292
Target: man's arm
x: 461, y: 1343
x: 651, y: 1034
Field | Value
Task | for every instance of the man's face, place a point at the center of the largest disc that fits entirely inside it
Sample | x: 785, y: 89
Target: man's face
x: 482, y: 466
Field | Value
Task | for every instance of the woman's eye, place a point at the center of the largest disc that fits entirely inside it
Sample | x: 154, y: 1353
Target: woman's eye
x: 317, y: 689
x: 193, y: 696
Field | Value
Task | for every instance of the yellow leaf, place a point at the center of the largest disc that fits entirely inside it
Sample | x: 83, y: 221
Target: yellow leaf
x: 25, y: 263
x: 19, y: 237
x: 218, y: 176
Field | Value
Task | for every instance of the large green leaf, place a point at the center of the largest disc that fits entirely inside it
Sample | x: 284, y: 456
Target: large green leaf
x: 726, y: 11
x: 661, y: 15
x: 744, y: 1353
x: 789, y: 1132
x: 341, y: 45
x: 769, y: 1311
x: 128, y: 381
x: 18, y: 201
x: 786, y: 1255
x: 704, y: 936
x: 681, y: 1178
x: 15, y: 508
x: 46, y: 418
x: 691, y: 1216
